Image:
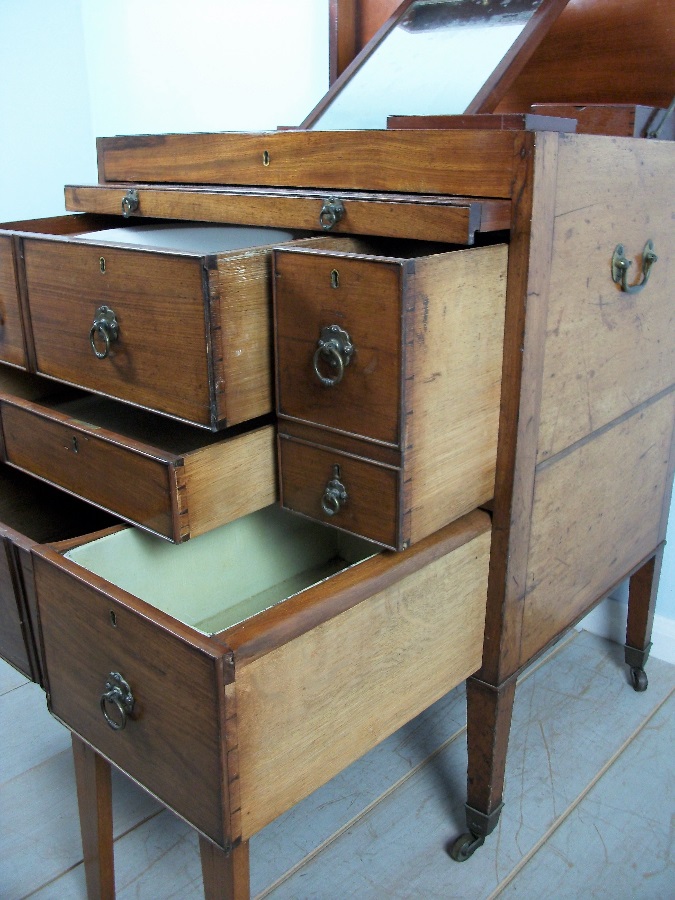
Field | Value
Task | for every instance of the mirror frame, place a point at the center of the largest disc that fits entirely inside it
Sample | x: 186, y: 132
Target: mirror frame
x: 495, y: 87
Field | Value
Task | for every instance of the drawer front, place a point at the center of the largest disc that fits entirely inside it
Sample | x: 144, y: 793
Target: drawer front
x: 12, y: 348
x: 130, y: 484
x: 361, y: 297
x: 172, y: 739
x: 371, y: 508
x: 159, y: 360
x: 15, y: 641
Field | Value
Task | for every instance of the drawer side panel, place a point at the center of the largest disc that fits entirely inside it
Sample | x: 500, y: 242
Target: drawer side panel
x: 12, y: 348
x: 314, y: 705
x: 14, y: 636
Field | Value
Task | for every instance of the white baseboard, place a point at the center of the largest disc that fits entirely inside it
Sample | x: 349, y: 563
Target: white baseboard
x: 608, y: 620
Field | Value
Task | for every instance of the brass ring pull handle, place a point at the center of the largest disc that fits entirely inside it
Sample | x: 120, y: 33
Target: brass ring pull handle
x: 117, y: 696
x: 620, y: 266
x: 130, y: 203
x: 105, y: 326
x: 335, y: 494
x: 336, y: 349
x: 331, y: 213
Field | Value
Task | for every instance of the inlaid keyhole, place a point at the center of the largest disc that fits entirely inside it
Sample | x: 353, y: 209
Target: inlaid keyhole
x: 113, y: 618
x: 335, y: 279
x: 101, y: 263
x: 266, y: 157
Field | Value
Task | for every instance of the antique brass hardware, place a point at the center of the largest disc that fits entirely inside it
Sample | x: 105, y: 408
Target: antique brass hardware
x: 130, y: 203
x: 266, y: 157
x: 117, y: 696
x: 331, y: 213
x: 106, y: 327
x: 334, y: 495
x: 335, y: 347
x: 101, y: 264
x: 620, y: 266
x: 335, y: 279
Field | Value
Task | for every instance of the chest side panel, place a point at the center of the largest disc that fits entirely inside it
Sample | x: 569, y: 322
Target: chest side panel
x: 606, y: 350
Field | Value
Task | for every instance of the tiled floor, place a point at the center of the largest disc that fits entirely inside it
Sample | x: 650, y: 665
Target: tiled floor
x: 590, y: 803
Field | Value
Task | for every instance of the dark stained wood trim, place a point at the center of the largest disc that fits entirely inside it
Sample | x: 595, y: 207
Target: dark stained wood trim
x: 343, y: 32
x: 490, y: 121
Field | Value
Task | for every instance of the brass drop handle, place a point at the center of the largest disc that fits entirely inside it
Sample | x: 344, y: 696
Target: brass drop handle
x: 334, y: 349
x: 334, y: 495
x: 130, y: 203
x: 620, y: 266
x: 331, y: 213
x: 105, y: 327
x: 118, y: 700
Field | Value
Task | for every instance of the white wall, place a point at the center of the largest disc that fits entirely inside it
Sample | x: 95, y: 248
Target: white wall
x: 75, y: 69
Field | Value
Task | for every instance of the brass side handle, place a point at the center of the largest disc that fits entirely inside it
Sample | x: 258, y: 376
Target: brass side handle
x: 621, y: 265
x: 334, y: 349
x: 106, y: 329
x: 117, y: 701
x: 331, y: 213
x: 334, y: 495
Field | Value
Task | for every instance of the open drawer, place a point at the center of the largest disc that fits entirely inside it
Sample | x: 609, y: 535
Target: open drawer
x: 388, y: 370
x: 159, y: 474
x: 261, y: 658
x: 30, y: 513
x: 174, y: 318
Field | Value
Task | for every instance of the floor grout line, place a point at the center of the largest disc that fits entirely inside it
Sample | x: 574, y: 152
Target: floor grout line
x: 570, y: 809
x: 306, y: 860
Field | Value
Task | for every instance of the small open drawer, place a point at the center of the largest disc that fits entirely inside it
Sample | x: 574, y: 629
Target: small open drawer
x: 32, y: 513
x: 388, y: 370
x: 174, y: 318
x: 159, y: 474
x: 234, y: 674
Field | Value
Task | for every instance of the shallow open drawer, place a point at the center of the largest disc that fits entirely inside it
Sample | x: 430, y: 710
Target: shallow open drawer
x: 161, y: 475
x: 262, y: 658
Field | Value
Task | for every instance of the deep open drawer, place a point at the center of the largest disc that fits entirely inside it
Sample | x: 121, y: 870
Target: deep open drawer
x: 273, y: 652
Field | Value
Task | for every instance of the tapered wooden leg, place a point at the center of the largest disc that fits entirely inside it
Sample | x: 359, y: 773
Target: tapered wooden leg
x: 642, y: 589
x: 489, y: 712
x: 94, y: 800
x: 226, y: 875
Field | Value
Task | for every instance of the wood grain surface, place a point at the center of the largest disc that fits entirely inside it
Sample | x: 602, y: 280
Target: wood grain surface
x: 304, y: 713
x: 472, y: 163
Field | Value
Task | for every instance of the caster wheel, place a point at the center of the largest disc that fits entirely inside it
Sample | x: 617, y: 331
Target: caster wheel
x: 639, y: 680
x: 465, y: 846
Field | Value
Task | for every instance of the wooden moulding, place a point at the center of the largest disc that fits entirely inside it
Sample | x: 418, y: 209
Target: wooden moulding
x: 450, y: 219
x: 489, y: 121
x: 465, y: 163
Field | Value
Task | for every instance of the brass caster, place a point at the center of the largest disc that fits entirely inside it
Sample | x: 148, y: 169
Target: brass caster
x: 638, y: 678
x: 465, y: 846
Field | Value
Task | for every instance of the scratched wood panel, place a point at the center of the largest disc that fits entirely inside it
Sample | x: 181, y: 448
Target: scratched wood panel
x: 593, y: 519
x: 607, y: 351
